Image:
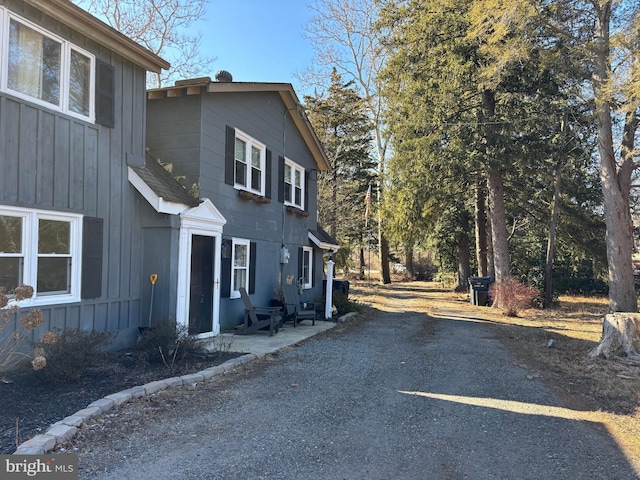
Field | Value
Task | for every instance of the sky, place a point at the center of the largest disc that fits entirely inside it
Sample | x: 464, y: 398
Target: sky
x: 257, y: 40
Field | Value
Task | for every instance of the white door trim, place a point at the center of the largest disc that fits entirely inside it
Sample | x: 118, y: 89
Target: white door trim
x: 205, y: 220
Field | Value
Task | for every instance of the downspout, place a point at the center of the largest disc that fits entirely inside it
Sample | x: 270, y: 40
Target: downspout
x: 284, y: 150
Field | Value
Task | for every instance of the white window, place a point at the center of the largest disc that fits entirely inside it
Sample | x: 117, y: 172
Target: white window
x: 11, y: 251
x: 307, y: 266
x: 43, y: 68
x: 239, y: 266
x: 293, y: 184
x: 41, y: 249
x: 250, y: 160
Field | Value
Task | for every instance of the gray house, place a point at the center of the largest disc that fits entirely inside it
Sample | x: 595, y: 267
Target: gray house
x: 248, y: 156
x: 72, y: 118
x: 88, y: 214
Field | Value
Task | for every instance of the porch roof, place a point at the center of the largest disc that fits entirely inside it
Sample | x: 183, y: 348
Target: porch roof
x: 323, y: 240
x: 160, y: 189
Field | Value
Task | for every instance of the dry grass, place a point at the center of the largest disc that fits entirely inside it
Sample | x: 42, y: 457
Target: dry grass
x: 606, y: 390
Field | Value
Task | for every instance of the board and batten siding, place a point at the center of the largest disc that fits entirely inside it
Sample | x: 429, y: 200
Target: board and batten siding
x: 55, y: 162
x: 189, y: 131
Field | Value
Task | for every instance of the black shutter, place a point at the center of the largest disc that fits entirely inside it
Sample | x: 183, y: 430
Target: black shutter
x: 229, y: 155
x: 105, y: 94
x: 92, y: 240
x: 313, y: 269
x: 225, y: 269
x: 252, y: 267
x: 268, y: 175
x: 300, y: 262
x: 281, y: 179
x: 306, y: 191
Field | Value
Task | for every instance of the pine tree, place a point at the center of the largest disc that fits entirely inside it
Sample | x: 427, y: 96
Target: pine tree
x: 344, y: 38
x: 471, y: 110
x: 340, y: 120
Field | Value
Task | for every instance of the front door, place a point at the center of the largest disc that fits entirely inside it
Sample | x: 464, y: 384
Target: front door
x: 201, y: 298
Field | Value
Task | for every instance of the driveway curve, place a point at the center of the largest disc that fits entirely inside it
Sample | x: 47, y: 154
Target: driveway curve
x: 393, y: 394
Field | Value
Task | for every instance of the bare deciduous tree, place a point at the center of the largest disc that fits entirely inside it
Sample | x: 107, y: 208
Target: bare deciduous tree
x: 343, y: 35
x: 162, y: 26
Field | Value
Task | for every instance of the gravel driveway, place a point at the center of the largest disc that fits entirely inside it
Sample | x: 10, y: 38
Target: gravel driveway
x: 392, y: 395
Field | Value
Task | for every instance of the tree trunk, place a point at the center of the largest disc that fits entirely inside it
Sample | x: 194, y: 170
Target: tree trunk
x: 481, y: 229
x: 383, y: 248
x: 551, y: 243
x: 619, y: 236
x: 464, y: 268
x: 383, y: 243
x: 616, y: 179
x: 491, y: 269
x: 555, y: 211
x: 408, y: 255
x: 362, y: 264
x: 619, y: 335
x: 499, y: 235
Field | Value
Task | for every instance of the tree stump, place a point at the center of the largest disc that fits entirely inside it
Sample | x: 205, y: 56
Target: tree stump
x: 620, y: 333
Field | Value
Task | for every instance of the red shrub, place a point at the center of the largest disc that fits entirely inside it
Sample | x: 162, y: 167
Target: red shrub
x: 512, y: 295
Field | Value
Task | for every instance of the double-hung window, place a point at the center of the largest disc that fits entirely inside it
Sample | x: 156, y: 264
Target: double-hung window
x: 240, y: 262
x: 293, y: 184
x: 249, y: 163
x: 44, y: 68
x: 41, y: 249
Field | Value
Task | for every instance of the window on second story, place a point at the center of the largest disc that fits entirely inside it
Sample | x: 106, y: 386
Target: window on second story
x: 249, y: 164
x: 46, y: 69
x: 293, y: 184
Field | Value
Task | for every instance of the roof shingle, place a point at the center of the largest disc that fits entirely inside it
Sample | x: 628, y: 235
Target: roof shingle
x: 163, y: 184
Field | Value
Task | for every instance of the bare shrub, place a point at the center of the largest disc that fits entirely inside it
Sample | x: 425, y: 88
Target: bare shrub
x: 166, y: 342
x: 70, y: 351
x: 512, y: 296
x: 424, y: 269
x: 220, y: 345
x: 13, y: 333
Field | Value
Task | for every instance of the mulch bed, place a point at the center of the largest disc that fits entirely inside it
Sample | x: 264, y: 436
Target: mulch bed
x: 30, y: 404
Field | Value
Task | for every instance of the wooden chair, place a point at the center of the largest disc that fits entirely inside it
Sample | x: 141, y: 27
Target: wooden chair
x: 256, y: 318
x: 294, y: 310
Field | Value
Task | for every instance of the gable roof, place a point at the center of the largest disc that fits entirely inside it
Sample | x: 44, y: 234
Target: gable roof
x: 285, y: 90
x: 81, y: 21
x: 162, y: 191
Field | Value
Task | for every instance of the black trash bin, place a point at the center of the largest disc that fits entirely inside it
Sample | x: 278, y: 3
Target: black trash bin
x: 341, y: 286
x: 479, y: 290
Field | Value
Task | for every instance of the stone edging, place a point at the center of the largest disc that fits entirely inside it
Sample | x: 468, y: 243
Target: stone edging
x: 66, y: 429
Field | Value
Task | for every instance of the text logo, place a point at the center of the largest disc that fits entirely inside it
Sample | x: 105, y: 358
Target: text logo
x: 51, y: 467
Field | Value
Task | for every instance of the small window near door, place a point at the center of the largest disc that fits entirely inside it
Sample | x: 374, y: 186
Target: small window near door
x: 239, y: 266
x: 307, y: 266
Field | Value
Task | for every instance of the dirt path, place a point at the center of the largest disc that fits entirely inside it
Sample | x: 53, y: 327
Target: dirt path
x: 394, y: 394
